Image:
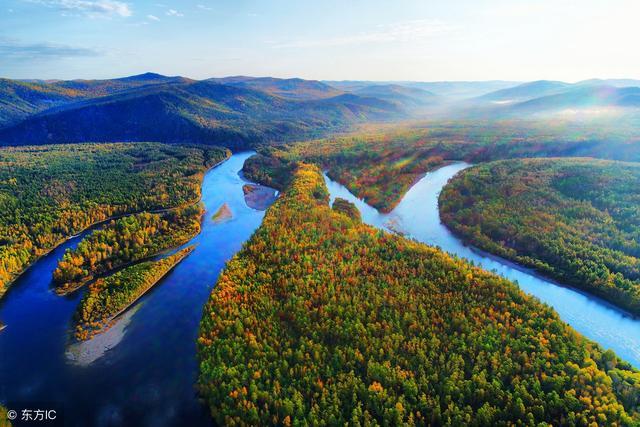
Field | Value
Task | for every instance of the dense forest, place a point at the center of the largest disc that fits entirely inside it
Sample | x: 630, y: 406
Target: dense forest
x: 576, y: 220
x: 124, y: 241
x: 322, y: 320
x: 108, y: 297
x: 49, y: 193
x: 176, y: 110
x: 380, y: 163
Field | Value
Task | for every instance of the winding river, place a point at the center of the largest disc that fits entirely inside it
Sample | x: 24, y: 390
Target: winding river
x: 417, y: 217
x: 142, y: 371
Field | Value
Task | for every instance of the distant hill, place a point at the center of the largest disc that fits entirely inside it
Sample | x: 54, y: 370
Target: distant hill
x: 286, y: 88
x: 546, y: 97
x: 526, y: 91
x: 581, y: 97
x: 196, y: 111
x: 610, y: 82
x: 94, y: 88
x: 403, y: 96
x: 21, y: 99
x: 454, y: 90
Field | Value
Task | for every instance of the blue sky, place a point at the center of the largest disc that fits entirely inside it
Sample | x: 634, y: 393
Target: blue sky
x: 329, y: 39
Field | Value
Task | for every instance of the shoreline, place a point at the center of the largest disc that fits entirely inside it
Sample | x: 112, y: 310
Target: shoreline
x: 64, y: 290
x: 404, y: 193
x: 536, y: 273
x: 107, y: 322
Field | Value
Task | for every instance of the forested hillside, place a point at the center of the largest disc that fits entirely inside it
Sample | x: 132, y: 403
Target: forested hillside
x: 379, y: 164
x: 50, y: 193
x: 21, y: 99
x: 320, y: 319
x: 576, y: 220
x: 176, y: 110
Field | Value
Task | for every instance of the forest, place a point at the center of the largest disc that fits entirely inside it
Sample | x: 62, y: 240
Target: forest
x: 125, y: 241
x: 49, y: 193
x: 108, y: 297
x: 576, y: 220
x: 380, y: 163
x: 322, y: 320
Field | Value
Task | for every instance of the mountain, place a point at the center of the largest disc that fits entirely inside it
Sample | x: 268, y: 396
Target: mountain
x: 286, y: 88
x: 21, y: 99
x: 581, y: 97
x: 95, y: 88
x: 462, y: 90
x: 525, y: 91
x: 402, y: 96
x: 195, y: 111
x: 610, y: 82
x: 453, y: 90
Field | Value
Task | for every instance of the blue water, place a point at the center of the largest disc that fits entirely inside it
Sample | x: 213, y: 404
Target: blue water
x: 147, y: 375
x: 417, y: 216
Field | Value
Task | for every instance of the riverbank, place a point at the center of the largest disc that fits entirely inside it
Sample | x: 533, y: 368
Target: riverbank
x: 107, y: 298
x: 569, y: 219
x: 417, y: 216
x: 135, y: 238
x: 143, y: 368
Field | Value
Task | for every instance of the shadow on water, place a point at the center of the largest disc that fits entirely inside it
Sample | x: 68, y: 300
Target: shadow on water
x: 417, y: 216
x: 143, y: 370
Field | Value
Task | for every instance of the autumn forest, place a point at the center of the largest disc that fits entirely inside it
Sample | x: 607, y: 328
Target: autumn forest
x: 261, y: 251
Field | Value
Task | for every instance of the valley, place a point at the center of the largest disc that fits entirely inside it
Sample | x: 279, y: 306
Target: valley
x: 285, y: 213
x: 347, y: 301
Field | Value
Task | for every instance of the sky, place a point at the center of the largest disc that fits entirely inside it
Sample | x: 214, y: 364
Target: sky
x: 422, y: 40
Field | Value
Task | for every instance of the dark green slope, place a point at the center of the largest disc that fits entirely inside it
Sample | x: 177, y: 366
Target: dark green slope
x: 21, y: 99
x: 201, y: 111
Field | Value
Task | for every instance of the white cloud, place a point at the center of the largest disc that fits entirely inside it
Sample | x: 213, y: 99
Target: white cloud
x: 152, y: 18
x: 409, y: 31
x: 173, y: 12
x: 16, y: 50
x: 204, y: 7
x: 92, y: 8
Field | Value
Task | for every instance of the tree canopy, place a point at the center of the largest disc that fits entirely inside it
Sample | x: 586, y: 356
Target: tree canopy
x: 323, y: 320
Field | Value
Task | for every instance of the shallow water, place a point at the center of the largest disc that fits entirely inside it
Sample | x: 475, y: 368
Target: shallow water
x: 142, y: 372
x: 417, y: 216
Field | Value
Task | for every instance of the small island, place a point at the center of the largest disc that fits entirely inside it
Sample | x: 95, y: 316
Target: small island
x: 107, y: 298
x: 223, y: 214
x: 258, y: 197
x: 123, y: 242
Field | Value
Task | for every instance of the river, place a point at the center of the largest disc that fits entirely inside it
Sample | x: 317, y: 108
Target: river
x: 143, y: 370
x: 417, y: 216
